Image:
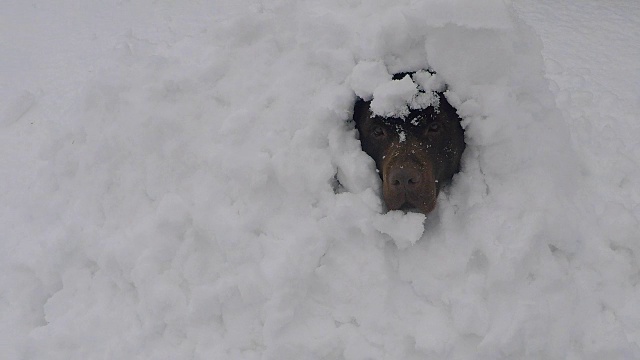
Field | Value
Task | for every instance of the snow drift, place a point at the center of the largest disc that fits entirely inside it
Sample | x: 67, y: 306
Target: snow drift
x: 203, y: 195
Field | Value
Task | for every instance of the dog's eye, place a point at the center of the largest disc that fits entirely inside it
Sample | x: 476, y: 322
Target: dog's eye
x: 378, y: 132
x: 434, y: 127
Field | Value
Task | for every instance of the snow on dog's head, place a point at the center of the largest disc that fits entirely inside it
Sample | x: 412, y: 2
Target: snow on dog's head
x: 391, y: 99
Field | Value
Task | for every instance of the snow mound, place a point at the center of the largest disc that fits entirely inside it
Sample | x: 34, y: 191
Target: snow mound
x: 183, y: 181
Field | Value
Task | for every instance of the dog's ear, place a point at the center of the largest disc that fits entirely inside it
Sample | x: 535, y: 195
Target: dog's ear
x: 360, y: 111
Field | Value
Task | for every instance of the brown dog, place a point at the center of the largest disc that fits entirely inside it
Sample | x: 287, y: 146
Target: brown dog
x: 415, y: 155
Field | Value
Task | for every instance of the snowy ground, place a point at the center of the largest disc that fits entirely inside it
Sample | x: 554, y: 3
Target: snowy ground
x: 180, y: 181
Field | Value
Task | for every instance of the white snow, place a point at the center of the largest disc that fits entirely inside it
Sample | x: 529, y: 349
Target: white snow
x: 429, y: 82
x: 405, y: 229
x: 367, y: 76
x: 395, y: 98
x: 391, y: 99
x: 181, y: 181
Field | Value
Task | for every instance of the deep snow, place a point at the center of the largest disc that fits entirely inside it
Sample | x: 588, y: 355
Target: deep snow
x: 180, y: 180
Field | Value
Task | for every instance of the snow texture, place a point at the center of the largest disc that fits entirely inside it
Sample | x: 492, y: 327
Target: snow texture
x: 395, y: 98
x: 391, y: 99
x: 181, y: 181
x: 367, y: 76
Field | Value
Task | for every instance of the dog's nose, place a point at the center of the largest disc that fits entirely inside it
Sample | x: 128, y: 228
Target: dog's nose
x: 406, y: 178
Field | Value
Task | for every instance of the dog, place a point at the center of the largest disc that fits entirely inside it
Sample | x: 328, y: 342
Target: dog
x: 415, y: 156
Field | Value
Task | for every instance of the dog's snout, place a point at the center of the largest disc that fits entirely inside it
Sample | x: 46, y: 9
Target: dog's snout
x: 406, y: 184
x: 405, y: 178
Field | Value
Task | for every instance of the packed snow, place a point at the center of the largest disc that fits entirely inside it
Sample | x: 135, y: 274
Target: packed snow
x: 395, y: 98
x: 181, y: 180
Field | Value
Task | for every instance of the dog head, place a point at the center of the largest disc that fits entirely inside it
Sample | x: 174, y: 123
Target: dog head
x: 415, y: 155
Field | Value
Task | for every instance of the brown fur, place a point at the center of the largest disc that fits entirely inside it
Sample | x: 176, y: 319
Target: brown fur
x: 413, y: 171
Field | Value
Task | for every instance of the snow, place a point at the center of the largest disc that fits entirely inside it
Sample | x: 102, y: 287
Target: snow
x: 429, y: 82
x: 404, y: 229
x: 394, y: 98
x: 367, y: 76
x: 180, y: 180
x: 391, y: 98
